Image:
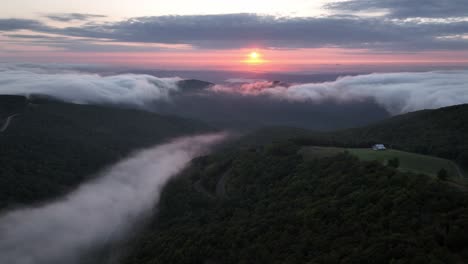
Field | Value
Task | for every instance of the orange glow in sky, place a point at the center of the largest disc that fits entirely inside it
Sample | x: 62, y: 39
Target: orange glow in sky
x: 254, y: 58
x: 264, y: 60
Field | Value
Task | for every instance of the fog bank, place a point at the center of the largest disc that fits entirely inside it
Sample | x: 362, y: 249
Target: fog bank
x: 396, y: 92
x: 87, y: 88
x: 99, y: 211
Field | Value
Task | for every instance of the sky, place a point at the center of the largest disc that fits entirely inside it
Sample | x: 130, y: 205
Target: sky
x: 264, y: 36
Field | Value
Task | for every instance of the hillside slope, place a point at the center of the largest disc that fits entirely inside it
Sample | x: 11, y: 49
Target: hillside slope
x: 280, y: 208
x: 442, y: 132
x: 51, y: 147
x: 10, y: 104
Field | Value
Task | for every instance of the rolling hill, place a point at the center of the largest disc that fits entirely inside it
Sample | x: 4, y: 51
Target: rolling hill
x: 440, y: 132
x: 278, y: 206
x: 259, y: 199
x: 408, y: 161
x: 51, y: 147
x: 281, y: 208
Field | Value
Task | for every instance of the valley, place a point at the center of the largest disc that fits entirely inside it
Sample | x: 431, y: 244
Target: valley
x: 272, y: 195
x: 234, y: 132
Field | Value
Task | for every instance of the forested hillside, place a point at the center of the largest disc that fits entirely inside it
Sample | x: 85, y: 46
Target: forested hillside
x: 280, y: 208
x: 10, y: 104
x: 263, y: 202
x: 440, y: 132
x: 254, y: 201
x: 50, y: 147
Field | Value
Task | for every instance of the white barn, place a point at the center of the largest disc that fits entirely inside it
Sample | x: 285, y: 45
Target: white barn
x: 379, y: 147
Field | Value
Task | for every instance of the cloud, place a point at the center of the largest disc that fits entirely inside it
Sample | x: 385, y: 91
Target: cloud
x: 229, y: 31
x: 239, y: 30
x: 80, y: 44
x: 135, y: 90
x: 67, y: 17
x: 397, y: 92
x: 407, y: 9
x: 243, y: 80
x: 99, y: 211
x: 12, y: 24
x: 189, y: 98
x: 249, y: 86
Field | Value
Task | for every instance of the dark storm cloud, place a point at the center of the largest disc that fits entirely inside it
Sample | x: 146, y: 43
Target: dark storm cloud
x: 243, y: 30
x: 73, y: 17
x: 407, y: 8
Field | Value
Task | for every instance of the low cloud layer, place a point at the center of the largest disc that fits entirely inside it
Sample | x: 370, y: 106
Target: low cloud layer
x: 97, y: 212
x: 397, y: 92
x: 85, y: 88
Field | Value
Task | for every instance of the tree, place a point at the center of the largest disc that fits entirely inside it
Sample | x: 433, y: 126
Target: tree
x: 395, y: 163
x: 462, y: 159
x: 442, y: 174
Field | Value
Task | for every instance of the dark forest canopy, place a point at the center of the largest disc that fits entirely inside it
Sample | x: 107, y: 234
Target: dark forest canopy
x: 279, y: 208
x: 257, y: 200
x: 51, y: 147
x: 441, y: 132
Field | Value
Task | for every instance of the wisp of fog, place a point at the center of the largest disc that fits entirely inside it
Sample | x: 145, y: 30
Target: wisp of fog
x: 98, y: 211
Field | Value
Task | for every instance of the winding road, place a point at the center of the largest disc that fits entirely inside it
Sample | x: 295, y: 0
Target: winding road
x: 7, y: 123
x: 220, y: 187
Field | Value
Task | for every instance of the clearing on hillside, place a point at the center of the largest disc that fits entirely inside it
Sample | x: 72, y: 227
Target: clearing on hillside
x: 412, y: 162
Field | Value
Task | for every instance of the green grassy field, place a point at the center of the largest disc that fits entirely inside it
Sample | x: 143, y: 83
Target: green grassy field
x: 408, y: 161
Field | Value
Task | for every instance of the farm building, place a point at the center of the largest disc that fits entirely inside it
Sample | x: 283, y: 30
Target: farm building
x: 379, y: 147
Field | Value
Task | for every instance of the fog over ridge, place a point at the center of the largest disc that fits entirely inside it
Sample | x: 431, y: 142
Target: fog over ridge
x: 398, y: 93
x: 98, y: 211
x: 136, y: 90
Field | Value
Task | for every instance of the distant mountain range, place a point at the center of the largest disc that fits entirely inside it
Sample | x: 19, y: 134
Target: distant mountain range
x: 235, y: 111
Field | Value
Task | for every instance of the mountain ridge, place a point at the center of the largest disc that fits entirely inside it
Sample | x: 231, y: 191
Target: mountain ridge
x: 52, y: 146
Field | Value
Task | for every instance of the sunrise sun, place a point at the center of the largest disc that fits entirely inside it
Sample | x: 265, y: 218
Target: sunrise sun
x: 254, y: 58
x: 254, y: 55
